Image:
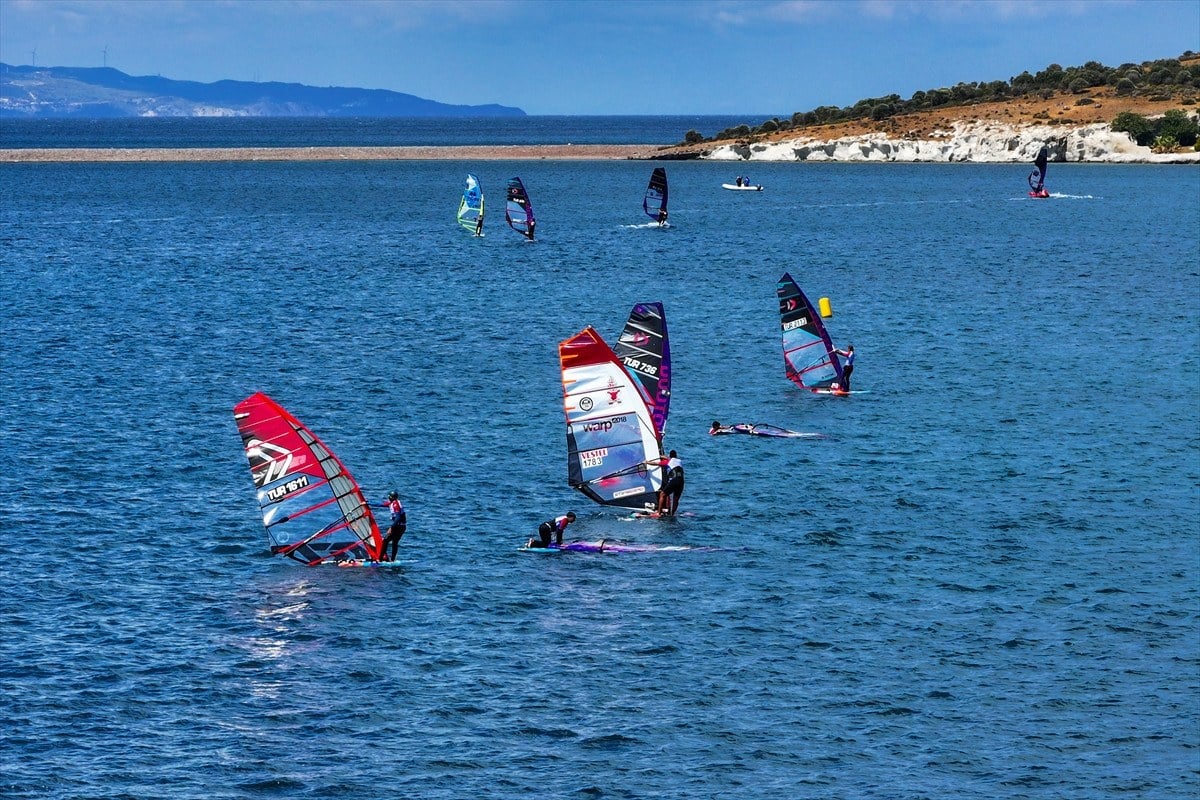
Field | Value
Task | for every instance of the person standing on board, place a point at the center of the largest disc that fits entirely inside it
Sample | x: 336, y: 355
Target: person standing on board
x: 553, y: 528
x: 479, y: 225
x: 672, y: 485
x: 847, y: 367
x: 529, y: 229
x: 662, y: 217
x: 396, y: 530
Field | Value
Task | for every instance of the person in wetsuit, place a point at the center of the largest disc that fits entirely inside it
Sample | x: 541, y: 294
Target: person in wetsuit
x: 552, y: 529
x: 396, y: 530
x: 847, y: 367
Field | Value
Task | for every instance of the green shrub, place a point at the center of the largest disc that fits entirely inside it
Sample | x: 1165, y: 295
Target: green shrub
x: 1125, y: 86
x: 692, y: 137
x: 1137, y: 126
x: 1165, y: 144
x: 1177, y: 125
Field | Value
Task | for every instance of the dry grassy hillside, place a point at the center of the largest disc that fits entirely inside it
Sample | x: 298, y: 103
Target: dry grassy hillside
x: 1062, y: 108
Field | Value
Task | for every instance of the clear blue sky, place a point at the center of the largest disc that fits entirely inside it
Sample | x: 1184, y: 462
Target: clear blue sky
x: 601, y: 56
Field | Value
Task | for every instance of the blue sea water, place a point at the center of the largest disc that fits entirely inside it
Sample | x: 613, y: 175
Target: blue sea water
x: 984, y: 584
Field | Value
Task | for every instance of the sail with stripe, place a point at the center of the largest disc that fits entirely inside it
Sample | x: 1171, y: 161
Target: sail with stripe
x: 1037, y: 178
x: 655, y: 201
x: 517, y: 208
x: 808, y: 353
x: 645, y: 350
x: 470, y: 209
x: 610, y: 431
x: 311, y: 507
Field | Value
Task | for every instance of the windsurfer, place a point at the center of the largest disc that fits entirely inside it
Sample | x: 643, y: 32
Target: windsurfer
x: 672, y: 485
x: 553, y: 528
x: 662, y: 217
x: 479, y: 225
x: 396, y: 531
x: 847, y: 367
x: 741, y: 427
x: 529, y: 229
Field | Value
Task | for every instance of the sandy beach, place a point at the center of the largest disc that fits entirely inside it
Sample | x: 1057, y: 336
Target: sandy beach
x: 561, y: 152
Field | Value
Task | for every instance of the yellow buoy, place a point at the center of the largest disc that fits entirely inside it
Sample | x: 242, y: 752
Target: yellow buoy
x: 826, y: 308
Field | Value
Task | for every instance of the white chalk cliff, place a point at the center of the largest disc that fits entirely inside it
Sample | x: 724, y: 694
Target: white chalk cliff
x: 975, y: 142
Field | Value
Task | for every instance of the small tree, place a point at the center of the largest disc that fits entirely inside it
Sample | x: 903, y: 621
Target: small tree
x: 1125, y: 86
x: 693, y: 137
x: 1137, y: 126
x: 1078, y: 86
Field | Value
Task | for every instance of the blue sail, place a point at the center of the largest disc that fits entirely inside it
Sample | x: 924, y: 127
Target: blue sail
x: 470, y: 209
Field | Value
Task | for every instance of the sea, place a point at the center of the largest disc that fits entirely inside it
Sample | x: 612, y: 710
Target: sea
x: 984, y: 582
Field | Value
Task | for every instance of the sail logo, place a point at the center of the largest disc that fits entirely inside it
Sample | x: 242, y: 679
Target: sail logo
x: 268, y: 462
x: 585, y: 404
x: 796, y: 323
x: 636, y: 364
x: 606, y: 425
x: 613, y: 391
x: 294, y: 485
x: 593, y: 458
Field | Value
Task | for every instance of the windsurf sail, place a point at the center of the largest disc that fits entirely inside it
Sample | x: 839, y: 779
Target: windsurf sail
x: 311, y: 507
x: 610, y: 431
x: 808, y: 353
x: 470, y: 210
x: 605, y: 546
x: 763, y: 429
x: 646, y: 352
x: 517, y: 208
x: 1037, y: 178
x: 655, y: 201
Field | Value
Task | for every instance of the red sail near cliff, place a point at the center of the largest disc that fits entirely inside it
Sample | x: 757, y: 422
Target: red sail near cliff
x: 311, y: 507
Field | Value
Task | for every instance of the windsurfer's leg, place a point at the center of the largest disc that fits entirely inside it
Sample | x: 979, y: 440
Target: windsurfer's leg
x: 846, y: 378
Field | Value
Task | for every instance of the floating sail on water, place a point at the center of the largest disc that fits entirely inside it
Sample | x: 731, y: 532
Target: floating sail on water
x: 517, y: 208
x: 1037, y: 178
x: 807, y: 349
x: 470, y: 210
x: 646, y: 352
x: 610, y: 430
x: 312, y: 508
x: 655, y: 201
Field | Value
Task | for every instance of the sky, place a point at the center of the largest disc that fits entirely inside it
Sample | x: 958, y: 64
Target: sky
x: 754, y: 57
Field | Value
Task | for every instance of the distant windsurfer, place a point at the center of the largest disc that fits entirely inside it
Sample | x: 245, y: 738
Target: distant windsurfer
x: 552, y: 529
x: 529, y: 229
x: 847, y: 367
x: 718, y: 429
x: 662, y: 217
x: 479, y: 225
x: 396, y: 531
x: 1039, y: 189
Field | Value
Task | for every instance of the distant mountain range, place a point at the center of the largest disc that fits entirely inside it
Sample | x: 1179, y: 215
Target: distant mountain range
x: 27, y: 92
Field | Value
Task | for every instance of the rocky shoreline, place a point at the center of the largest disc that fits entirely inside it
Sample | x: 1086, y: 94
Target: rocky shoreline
x: 964, y: 142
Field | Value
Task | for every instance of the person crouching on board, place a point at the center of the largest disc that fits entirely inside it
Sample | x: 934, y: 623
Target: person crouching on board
x: 554, y: 528
x: 662, y: 217
x: 396, y: 530
x: 848, y: 367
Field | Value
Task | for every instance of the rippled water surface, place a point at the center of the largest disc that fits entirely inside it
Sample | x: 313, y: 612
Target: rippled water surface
x: 983, y: 584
